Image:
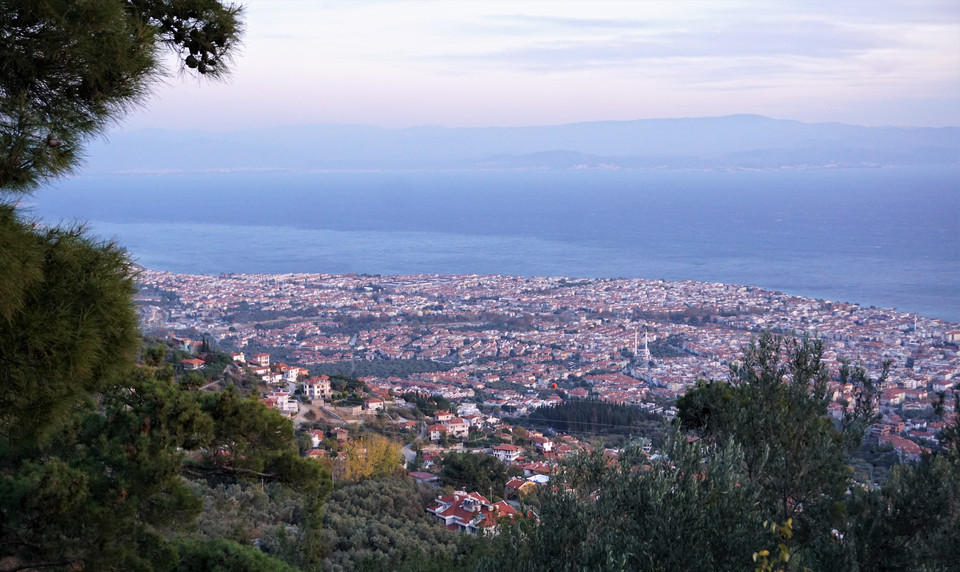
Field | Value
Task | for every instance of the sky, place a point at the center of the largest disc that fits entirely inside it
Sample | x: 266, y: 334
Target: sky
x: 513, y: 63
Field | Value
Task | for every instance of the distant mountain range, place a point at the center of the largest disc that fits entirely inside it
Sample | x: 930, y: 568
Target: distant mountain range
x: 730, y: 142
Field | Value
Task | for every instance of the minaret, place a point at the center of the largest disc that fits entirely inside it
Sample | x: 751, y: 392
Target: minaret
x: 646, y: 349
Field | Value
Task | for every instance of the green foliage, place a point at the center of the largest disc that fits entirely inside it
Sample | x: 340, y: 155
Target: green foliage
x: 218, y: 555
x: 108, y: 487
x: 71, y: 67
x: 591, y: 416
x: 154, y: 355
x: 694, y: 512
x: 67, y: 324
x: 778, y: 558
x: 428, y: 405
x: 383, y: 525
x: 216, y: 363
x: 775, y: 407
x: 949, y: 436
x: 911, y: 523
x: 344, y: 383
x: 92, y: 449
x: 474, y: 473
x: 252, y: 441
x: 274, y: 516
x: 757, y: 449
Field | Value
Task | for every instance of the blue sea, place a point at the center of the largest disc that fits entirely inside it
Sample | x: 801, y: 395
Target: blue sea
x: 886, y: 237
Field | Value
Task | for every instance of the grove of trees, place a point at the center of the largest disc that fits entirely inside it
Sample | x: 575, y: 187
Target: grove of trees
x: 591, y: 416
x: 755, y: 475
x: 97, y: 453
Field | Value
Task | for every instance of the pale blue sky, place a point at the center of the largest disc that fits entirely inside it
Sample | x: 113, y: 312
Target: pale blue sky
x: 490, y: 63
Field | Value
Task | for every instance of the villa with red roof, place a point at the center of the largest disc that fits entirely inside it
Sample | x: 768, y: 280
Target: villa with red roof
x: 318, y: 388
x: 437, y: 431
x: 457, y: 427
x: 470, y: 512
x: 192, y: 364
x: 507, y: 453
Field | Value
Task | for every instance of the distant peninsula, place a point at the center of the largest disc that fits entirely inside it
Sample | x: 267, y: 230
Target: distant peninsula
x: 708, y: 143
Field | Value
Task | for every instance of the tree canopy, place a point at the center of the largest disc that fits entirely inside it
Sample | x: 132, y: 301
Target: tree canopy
x: 70, y: 67
x: 108, y: 488
x: 470, y: 472
x: 94, y: 450
x: 754, y: 477
x: 776, y: 407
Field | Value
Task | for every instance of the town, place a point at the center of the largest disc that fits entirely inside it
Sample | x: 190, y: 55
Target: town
x: 510, y: 344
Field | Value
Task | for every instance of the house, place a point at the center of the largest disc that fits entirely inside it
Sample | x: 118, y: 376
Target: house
x: 407, y: 425
x: 892, y: 396
x: 291, y: 373
x: 537, y: 468
x: 470, y: 512
x: 282, y: 401
x: 540, y: 480
x: 458, y: 428
x: 373, y: 404
x: 907, y: 450
x: 260, y: 359
x: 543, y: 444
x: 316, y: 436
x: 238, y: 357
x: 186, y: 344
x: 341, y: 434
x: 942, y: 385
x: 442, y: 416
x: 318, y: 388
x: 192, y: 364
x: 507, y: 453
x: 270, y: 377
x: 517, y: 487
x: 436, y: 431
x: 425, y: 478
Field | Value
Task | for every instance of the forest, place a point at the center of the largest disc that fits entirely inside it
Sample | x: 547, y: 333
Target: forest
x: 595, y: 417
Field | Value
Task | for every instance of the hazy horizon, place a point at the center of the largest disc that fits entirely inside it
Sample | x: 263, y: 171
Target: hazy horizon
x: 235, y: 129
x: 498, y: 64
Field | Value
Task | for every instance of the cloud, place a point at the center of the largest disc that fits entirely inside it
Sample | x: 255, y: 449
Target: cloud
x: 529, y: 23
x: 755, y: 39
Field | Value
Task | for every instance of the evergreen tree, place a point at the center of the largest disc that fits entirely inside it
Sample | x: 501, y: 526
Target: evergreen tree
x: 107, y: 490
x: 67, y: 325
x: 70, y: 67
x: 92, y: 450
x: 753, y: 451
x: 776, y: 407
x: 474, y: 473
x: 692, y: 509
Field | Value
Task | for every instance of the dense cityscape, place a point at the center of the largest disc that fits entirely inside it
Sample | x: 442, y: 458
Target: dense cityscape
x: 511, y: 344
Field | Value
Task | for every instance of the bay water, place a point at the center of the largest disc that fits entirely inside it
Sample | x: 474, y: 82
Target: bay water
x: 884, y: 236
